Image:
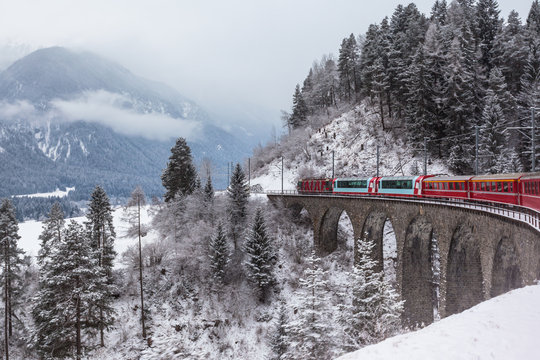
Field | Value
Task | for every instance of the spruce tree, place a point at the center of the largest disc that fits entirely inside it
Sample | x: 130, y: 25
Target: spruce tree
x: 101, y: 231
x: 438, y: 12
x: 347, y: 66
x: 488, y: 26
x: 510, y: 52
x: 52, y: 232
x: 69, y: 289
x: 219, y: 255
x: 311, y: 333
x: 209, y: 191
x: 180, y: 176
x: 261, y: 257
x: 459, y: 98
x: 238, y: 194
x: 374, y: 311
x: 279, y: 338
x: 11, y: 259
x: 299, y: 114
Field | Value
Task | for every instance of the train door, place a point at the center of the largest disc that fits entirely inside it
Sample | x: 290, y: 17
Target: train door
x: 372, y: 185
x: 418, y: 186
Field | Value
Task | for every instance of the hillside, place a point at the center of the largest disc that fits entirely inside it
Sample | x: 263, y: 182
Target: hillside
x: 353, y: 137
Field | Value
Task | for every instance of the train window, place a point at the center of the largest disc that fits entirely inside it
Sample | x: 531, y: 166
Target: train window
x: 511, y: 187
x: 499, y: 186
x: 505, y: 187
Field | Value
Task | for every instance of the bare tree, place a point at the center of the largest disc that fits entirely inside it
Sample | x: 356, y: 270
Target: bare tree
x: 137, y: 200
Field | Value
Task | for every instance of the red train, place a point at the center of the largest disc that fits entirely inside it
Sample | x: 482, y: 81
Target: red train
x: 518, y: 189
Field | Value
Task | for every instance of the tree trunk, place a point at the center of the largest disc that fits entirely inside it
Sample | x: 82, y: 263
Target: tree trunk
x: 141, y: 270
x: 6, y: 303
x: 101, y: 335
x: 10, y: 311
x: 78, y: 334
x: 381, y: 106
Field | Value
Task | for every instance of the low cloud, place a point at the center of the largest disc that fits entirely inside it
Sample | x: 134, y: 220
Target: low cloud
x: 119, y: 113
x: 19, y: 110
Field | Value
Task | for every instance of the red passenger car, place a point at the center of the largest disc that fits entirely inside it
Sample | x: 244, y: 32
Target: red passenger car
x: 444, y: 186
x: 502, y: 188
x: 310, y: 186
x: 530, y: 190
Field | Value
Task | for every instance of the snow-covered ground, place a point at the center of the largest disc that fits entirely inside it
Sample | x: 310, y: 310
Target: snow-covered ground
x: 505, y: 327
x: 56, y: 193
x: 29, y: 232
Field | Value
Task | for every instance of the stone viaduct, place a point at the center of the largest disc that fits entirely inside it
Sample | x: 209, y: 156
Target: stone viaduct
x: 481, y: 254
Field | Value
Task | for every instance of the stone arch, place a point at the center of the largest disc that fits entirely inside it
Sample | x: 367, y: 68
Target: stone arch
x: 506, y: 274
x: 418, y: 257
x: 373, y: 231
x: 464, y: 285
x: 328, y: 230
x: 345, y: 231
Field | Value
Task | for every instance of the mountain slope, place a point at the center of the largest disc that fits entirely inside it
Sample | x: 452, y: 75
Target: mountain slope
x: 75, y: 119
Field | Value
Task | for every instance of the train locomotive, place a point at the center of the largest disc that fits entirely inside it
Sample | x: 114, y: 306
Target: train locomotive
x: 521, y: 189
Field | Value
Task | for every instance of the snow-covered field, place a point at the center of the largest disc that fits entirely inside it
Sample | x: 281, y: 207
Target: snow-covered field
x: 505, y: 327
x: 56, y: 193
x: 30, y: 231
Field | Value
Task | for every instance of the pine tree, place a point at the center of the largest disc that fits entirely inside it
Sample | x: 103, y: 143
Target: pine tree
x: 209, y: 191
x: 488, y: 26
x: 261, y: 257
x: 100, y: 228
x: 510, y: 52
x: 529, y: 97
x: 311, y: 333
x: 460, y: 98
x: 492, y: 142
x: 11, y: 258
x: 374, y: 311
x: 180, y: 175
x: 347, y: 66
x: 219, y: 255
x: 52, y: 231
x: 533, y: 19
x: 279, y: 338
x: 438, y: 12
x: 68, y: 285
x: 299, y: 114
x: 238, y: 194
x: 137, y: 200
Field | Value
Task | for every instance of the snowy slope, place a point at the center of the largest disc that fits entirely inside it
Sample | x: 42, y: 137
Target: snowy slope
x: 505, y: 327
x: 29, y: 232
x: 353, y: 138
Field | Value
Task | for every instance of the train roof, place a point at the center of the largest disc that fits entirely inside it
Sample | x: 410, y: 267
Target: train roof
x: 528, y: 176
x: 399, y: 177
x: 448, y: 178
x: 355, y: 178
x: 494, y: 177
x: 311, y: 179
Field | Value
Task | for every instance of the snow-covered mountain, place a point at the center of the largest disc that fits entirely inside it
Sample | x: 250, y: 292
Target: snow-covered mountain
x: 75, y: 119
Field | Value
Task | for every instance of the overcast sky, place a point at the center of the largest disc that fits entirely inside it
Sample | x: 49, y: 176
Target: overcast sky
x: 214, y: 52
